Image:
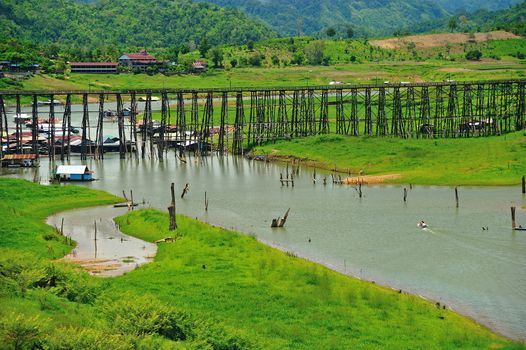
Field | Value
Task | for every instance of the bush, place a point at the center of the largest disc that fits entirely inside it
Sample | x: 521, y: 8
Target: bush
x: 21, y: 332
x: 86, y: 339
x: 145, y: 315
x: 474, y: 55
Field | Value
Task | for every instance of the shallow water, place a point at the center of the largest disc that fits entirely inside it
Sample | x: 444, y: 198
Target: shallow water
x: 112, y: 253
x: 477, y: 272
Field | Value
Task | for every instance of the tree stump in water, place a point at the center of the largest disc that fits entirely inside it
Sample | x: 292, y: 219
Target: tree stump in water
x: 280, y: 222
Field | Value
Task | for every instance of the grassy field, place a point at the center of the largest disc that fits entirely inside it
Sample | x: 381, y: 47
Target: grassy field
x: 211, y: 289
x: 487, y: 161
x: 434, y: 70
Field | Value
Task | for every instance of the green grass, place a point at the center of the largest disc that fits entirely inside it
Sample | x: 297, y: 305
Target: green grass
x: 25, y: 206
x: 211, y: 289
x: 363, y: 73
x: 289, y: 302
x: 497, y: 160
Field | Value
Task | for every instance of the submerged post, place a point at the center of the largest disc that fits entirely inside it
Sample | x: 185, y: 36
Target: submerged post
x: 523, y: 185
x: 456, y: 196
x: 171, y: 210
x: 405, y: 194
x: 513, y: 225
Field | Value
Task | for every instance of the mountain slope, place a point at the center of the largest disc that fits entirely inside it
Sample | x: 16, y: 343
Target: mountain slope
x: 374, y: 17
x: 149, y: 23
x: 512, y: 19
x: 474, y: 5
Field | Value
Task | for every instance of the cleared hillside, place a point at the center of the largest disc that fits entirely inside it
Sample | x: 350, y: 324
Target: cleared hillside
x: 440, y: 40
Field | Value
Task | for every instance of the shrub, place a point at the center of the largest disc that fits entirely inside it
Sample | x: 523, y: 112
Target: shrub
x: 21, y: 332
x: 474, y: 55
x: 86, y: 339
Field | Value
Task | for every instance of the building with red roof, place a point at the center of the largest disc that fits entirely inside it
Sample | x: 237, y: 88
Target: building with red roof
x: 139, y: 61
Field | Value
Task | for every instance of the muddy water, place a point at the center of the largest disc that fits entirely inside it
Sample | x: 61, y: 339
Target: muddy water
x: 112, y: 253
x: 480, y: 273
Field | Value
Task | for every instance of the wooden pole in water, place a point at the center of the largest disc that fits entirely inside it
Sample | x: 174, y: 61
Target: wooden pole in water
x: 360, y: 189
x: 62, y: 227
x: 523, y: 185
x: 206, y: 202
x: 405, y: 194
x: 185, y: 190
x: 456, y: 196
x: 513, y: 224
x: 171, y: 210
x: 131, y: 198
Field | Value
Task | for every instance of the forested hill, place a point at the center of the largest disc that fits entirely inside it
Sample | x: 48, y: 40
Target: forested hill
x: 512, y: 19
x: 127, y: 23
x: 475, y: 5
x: 367, y: 17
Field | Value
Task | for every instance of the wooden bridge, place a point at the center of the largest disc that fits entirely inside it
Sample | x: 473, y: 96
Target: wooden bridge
x: 148, y: 122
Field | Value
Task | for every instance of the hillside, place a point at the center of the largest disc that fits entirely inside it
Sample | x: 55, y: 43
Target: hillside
x: 126, y: 23
x: 512, y: 19
x: 474, y: 5
x: 377, y: 17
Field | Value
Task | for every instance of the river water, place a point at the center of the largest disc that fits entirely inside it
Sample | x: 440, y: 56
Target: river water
x: 480, y: 273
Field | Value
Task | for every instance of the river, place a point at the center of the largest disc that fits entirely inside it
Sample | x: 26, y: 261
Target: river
x: 480, y: 273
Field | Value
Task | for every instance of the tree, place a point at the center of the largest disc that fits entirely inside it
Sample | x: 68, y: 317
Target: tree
x: 314, y: 52
x: 350, y: 32
x: 204, y: 47
x: 474, y: 55
x: 452, y: 24
x: 330, y: 32
x: 216, y: 55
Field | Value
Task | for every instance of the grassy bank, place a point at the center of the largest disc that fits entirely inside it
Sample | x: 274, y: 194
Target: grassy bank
x: 485, y: 161
x: 211, y: 289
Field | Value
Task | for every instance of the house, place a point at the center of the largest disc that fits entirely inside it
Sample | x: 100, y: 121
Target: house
x: 140, y: 61
x: 93, y: 67
x: 199, y: 66
x: 73, y: 173
x: 19, y: 160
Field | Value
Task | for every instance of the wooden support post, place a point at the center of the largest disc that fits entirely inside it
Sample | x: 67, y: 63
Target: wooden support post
x: 314, y: 176
x: 185, y: 190
x: 281, y: 178
x: 360, y: 189
x: 131, y: 198
x: 456, y: 196
x: 171, y: 210
x: 292, y: 179
x: 325, y: 180
x: 62, y: 227
x: 405, y: 194
x: 513, y: 224
x: 523, y: 185
x: 95, y: 222
x: 206, y: 202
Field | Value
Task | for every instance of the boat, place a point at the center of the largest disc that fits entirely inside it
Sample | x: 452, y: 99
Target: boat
x: 153, y: 98
x: 421, y: 224
x: 49, y: 103
x: 73, y: 173
x: 22, y: 118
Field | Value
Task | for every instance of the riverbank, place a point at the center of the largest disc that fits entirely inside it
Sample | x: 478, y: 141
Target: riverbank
x: 293, y: 303
x: 224, y: 290
x: 485, y: 161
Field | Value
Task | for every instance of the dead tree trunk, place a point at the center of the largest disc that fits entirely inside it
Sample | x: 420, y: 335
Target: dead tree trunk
x: 280, y: 222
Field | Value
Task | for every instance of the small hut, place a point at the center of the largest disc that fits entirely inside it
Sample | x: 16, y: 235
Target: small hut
x: 73, y: 173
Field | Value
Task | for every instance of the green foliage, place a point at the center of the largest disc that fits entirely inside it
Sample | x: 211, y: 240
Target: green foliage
x: 474, y: 55
x: 86, y: 339
x: 300, y: 17
x: 19, y: 332
x: 101, y: 24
